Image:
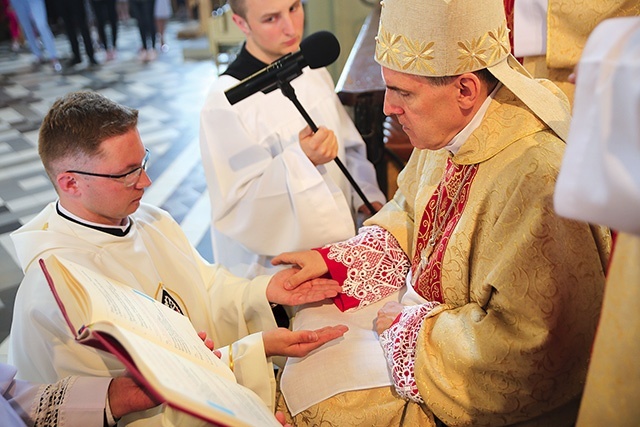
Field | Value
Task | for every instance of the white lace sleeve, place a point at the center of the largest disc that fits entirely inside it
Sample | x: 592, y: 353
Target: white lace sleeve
x: 47, y: 408
x: 376, y: 265
x: 399, y: 347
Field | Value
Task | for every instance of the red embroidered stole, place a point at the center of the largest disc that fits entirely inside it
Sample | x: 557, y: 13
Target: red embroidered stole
x: 441, y: 215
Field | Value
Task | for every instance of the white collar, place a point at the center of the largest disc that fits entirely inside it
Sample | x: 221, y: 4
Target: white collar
x: 461, y: 137
x: 90, y: 223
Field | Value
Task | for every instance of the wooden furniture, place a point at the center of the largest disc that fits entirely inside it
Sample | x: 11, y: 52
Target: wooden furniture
x: 362, y: 88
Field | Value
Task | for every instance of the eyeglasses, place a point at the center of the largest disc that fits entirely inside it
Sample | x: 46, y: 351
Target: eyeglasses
x: 129, y: 179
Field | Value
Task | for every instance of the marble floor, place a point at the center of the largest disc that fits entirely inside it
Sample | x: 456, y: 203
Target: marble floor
x: 168, y: 92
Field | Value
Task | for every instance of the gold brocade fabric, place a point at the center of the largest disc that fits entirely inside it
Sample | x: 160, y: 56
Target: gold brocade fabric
x: 376, y: 407
x: 613, y: 381
x: 569, y: 23
x: 522, y: 287
x: 537, y: 67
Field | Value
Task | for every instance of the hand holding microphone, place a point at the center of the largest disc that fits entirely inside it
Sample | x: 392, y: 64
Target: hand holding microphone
x: 321, y: 146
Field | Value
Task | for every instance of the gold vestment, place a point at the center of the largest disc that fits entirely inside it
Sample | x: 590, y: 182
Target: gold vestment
x: 569, y: 23
x: 613, y: 382
x: 521, y: 286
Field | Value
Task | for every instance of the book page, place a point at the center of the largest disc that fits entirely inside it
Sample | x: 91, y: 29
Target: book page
x: 114, y: 303
x: 157, y: 345
x: 191, y: 387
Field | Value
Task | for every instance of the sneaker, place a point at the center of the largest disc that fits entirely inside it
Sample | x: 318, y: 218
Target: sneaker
x: 164, y: 48
x: 15, y: 46
x: 111, y: 54
x: 57, y: 67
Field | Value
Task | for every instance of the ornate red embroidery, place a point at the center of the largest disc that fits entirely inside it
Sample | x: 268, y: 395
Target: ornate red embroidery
x: 440, y: 217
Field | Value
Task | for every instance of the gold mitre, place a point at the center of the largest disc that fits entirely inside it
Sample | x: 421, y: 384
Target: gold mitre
x: 451, y: 37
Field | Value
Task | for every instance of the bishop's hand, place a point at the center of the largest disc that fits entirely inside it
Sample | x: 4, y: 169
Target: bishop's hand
x: 306, y: 292
x: 310, y: 265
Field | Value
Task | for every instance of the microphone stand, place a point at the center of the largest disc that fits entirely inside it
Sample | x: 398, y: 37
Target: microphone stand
x: 290, y: 93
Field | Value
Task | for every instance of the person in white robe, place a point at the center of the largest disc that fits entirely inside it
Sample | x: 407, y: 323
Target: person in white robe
x: 93, y: 154
x: 273, y: 187
x: 72, y: 401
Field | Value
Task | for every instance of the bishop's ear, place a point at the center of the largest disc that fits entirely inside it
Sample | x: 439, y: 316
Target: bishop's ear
x: 469, y: 89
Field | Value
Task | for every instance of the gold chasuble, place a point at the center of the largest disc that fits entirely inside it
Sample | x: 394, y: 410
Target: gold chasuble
x: 613, y: 384
x: 569, y: 23
x: 520, y: 287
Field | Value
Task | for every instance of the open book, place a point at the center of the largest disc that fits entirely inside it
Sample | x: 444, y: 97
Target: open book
x: 157, y: 345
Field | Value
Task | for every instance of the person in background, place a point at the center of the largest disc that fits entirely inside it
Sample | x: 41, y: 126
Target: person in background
x: 272, y: 182
x: 74, y: 16
x: 34, y: 12
x: 105, y: 11
x: 499, y: 296
x: 143, y: 12
x: 549, y: 35
x: 599, y: 182
x: 93, y: 154
x: 162, y: 12
x: 10, y: 19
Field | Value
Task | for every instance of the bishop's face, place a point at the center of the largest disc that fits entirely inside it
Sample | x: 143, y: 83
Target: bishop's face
x: 429, y: 114
x: 273, y: 27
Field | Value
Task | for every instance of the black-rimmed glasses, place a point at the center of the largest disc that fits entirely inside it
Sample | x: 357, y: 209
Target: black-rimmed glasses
x: 129, y: 179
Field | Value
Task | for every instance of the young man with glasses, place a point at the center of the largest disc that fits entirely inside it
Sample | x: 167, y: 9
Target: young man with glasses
x: 93, y: 154
x: 129, y: 179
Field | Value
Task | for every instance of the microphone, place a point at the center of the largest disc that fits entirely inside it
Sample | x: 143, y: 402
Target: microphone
x: 318, y: 50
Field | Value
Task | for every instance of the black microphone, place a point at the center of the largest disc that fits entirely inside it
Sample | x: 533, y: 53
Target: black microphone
x: 318, y: 50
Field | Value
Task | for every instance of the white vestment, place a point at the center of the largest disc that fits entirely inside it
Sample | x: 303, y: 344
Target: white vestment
x: 156, y: 258
x: 599, y: 181
x: 73, y: 401
x: 266, y: 195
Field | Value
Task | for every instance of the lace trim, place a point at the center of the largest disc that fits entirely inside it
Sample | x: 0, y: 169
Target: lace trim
x: 52, y: 397
x: 399, y: 348
x: 376, y: 264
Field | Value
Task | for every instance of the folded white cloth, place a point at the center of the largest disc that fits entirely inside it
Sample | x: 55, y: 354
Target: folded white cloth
x: 353, y: 362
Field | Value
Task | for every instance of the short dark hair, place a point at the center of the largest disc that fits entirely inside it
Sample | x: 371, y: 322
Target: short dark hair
x: 239, y: 7
x: 483, y: 74
x: 77, y: 124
